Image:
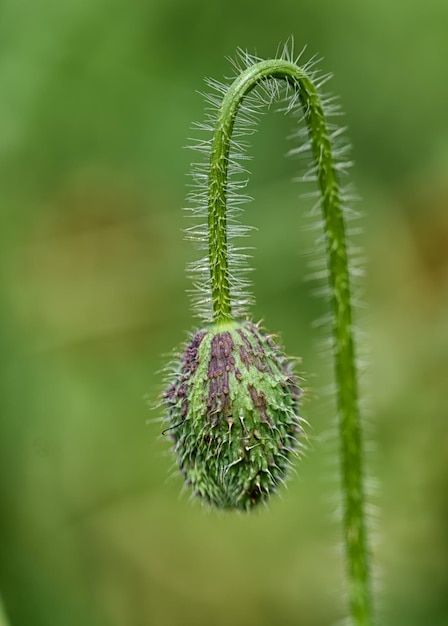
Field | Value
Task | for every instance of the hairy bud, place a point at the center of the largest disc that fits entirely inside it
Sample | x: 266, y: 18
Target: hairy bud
x: 232, y: 412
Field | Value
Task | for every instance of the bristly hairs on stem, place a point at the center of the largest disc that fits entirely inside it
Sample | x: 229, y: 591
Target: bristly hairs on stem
x: 220, y: 278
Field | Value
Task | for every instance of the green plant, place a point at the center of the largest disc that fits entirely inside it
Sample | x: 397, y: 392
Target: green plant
x: 232, y: 399
x: 3, y: 619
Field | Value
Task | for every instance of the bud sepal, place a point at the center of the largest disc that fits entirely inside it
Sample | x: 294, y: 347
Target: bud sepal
x: 232, y: 412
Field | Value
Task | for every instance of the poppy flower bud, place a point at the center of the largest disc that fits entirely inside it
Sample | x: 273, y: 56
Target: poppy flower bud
x: 232, y: 413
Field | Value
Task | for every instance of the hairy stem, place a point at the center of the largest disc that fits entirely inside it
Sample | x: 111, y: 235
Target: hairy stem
x: 355, y: 538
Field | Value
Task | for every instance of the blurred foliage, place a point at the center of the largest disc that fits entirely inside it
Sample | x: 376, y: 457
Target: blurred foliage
x: 97, y: 100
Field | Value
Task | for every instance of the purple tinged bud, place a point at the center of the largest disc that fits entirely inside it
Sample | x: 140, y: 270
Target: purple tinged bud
x: 232, y: 413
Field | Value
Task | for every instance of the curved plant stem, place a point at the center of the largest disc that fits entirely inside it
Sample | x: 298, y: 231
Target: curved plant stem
x: 355, y: 536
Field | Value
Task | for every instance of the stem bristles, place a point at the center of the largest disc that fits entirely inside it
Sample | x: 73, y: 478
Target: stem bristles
x: 222, y: 285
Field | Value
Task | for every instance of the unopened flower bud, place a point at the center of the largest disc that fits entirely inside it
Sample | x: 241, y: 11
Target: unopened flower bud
x: 232, y: 415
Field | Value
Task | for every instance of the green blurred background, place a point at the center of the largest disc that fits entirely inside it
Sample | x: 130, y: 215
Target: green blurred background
x: 97, y: 100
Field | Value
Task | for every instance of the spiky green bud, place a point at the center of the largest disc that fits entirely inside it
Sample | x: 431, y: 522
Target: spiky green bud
x: 232, y: 411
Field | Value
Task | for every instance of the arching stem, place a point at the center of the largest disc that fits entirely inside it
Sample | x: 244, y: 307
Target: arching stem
x: 355, y: 534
